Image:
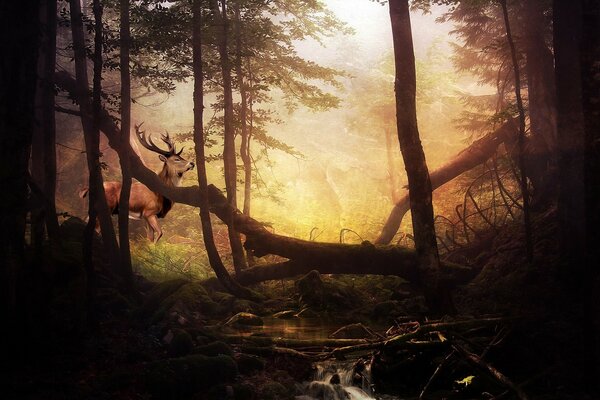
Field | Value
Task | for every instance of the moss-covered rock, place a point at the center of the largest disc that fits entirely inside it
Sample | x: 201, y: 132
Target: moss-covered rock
x: 311, y: 290
x: 327, y: 294
x: 244, y: 319
x: 180, y: 301
x: 275, y: 391
x: 386, y: 310
x: 214, y: 349
x: 181, y: 343
x: 110, y: 300
x: 180, y: 378
x: 154, y: 299
x: 243, y: 391
x: 248, y: 364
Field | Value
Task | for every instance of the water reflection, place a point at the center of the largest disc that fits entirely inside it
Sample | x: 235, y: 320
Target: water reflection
x: 294, y: 328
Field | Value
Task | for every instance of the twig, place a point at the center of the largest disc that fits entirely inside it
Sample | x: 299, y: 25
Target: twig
x: 436, y: 372
x: 499, y: 376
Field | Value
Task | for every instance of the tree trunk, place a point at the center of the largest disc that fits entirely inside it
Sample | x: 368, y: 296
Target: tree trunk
x: 260, y: 240
x: 474, y: 155
x: 393, y: 177
x: 521, y: 140
x: 91, y: 135
x: 211, y: 249
x: 245, y: 145
x: 125, y: 39
x: 419, y: 183
x: 571, y: 134
x: 229, y: 157
x: 17, y: 98
x: 43, y: 149
x: 542, y: 105
x: 590, y: 66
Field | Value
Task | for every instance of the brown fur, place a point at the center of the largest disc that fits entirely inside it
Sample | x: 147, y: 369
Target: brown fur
x: 144, y: 203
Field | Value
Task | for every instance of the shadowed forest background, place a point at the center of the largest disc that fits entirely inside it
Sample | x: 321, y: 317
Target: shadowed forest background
x: 300, y: 199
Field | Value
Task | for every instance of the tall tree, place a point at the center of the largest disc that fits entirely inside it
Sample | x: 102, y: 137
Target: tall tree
x: 17, y: 96
x: 43, y: 149
x: 125, y: 37
x: 243, y: 114
x: 590, y: 68
x: 521, y: 140
x: 229, y: 154
x: 541, y: 96
x: 577, y: 56
x: 211, y: 249
x: 91, y: 135
x: 419, y: 184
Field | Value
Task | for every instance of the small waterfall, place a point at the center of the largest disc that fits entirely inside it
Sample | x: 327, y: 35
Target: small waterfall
x: 340, y: 381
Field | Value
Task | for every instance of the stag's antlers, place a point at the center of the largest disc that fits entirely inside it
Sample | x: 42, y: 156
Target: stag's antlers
x: 150, y: 145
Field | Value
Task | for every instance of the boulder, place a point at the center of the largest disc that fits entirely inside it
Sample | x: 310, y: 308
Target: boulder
x: 311, y: 290
x: 181, y: 343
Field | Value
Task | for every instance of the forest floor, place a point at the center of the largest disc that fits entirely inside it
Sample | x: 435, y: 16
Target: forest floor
x: 517, y: 333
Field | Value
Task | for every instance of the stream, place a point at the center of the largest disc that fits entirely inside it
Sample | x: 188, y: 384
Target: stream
x: 332, y: 380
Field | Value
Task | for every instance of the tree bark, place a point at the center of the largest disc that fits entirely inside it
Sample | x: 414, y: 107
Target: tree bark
x: 91, y: 136
x: 542, y: 105
x: 245, y: 145
x: 393, y: 178
x: 17, y: 98
x: 590, y: 91
x: 521, y: 138
x: 477, y: 153
x: 207, y: 233
x: 229, y: 157
x: 43, y: 150
x: 571, y: 133
x: 414, y: 158
x: 259, y: 240
x: 125, y: 253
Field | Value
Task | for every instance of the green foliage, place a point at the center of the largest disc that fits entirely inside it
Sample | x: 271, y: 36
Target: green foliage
x: 165, y: 260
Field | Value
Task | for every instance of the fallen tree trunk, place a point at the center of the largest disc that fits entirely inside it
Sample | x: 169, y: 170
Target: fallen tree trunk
x: 477, y: 153
x: 304, y: 255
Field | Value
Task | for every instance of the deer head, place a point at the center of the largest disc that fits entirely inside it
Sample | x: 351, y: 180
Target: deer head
x: 174, y: 165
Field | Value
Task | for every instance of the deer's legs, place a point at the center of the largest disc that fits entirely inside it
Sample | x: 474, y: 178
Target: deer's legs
x: 153, y: 222
x: 149, y: 231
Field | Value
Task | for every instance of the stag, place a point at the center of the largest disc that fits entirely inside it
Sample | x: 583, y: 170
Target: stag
x: 144, y: 203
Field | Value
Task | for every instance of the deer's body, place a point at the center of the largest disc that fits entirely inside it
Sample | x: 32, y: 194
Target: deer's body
x: 144, y: 203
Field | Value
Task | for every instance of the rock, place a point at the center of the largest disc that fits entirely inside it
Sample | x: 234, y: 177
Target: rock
x: 335, y: 379
x: 245, y: 319
x: 274, y: 391
x: 243, y: 391
x: 241, y: 305
x: 180, y: 378
x: 353, y: 331
x: 247, y: 364
x: 287, y: 314
x: 415, y: 305
x: 323, y: 390
x: 386, y: 310
x: 168, y: 337
x: 214, y: 349
x: 181, y: 343
x: 400, y: 295
x: 311, y: 290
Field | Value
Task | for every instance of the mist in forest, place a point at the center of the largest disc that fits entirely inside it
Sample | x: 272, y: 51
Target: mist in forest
x: 335, y: 151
